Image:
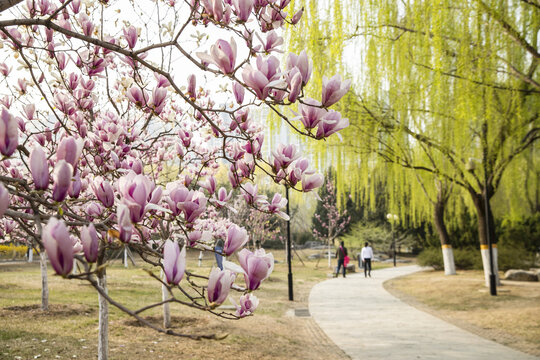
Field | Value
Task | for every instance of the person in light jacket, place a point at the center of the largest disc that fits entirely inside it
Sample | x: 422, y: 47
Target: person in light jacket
x: 367, y: 255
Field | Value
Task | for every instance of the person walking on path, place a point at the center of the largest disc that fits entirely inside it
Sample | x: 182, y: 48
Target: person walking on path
x: 341, y: 253
x: 219, y: 249
x: 367, y: 255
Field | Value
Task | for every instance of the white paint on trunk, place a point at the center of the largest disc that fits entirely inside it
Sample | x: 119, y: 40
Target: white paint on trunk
x: 448, y: 259
x: 30, y: 254
x: 200, y: 258
x: 125, y: 257
x: 485, y: 264
x: 166, y: 307
x: 103, y: 336
x: 329, y: 256
x: 44, y: 282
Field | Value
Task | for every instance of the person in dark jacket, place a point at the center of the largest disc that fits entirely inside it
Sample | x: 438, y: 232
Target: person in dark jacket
x: 340, y: 254
x: 219, y: 250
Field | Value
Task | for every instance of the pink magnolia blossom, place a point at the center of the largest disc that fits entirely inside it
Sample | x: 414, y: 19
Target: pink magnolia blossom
x: 222, y: 197
x: 131, y: 36
x: 242, y: 9
x: 302, y: 63
x: 70, y: 150
x: 298, y: 170
x: 310, y: 182
x: 273, y: 40
x: 209, y: 185
x: 192, y: 87
x: 29, y: 111
x: 177, y: 194
x: 222, y: 54
x: 310, y: 113
x: 174, y: 262
x: 93, y: 210
x: 124, y: 223
x: 136, y: 190
x: 295, y: 86
x: 262, y: 79
x: 250, y: 194
x: 284, y: 155
x: 278, y: 203
x: 236, y: 238
x: 4, y: 199
x: 137, y: 96
x: 257, y: 266
x: 9, y: 133
x: 194, y: 237
x: 219, y: 285
x: 248, y: 304
x: 39, y: 168
x: 333, y: 90
x: 194, y: 207
x: 59, y: 246
x: 297, y: 16
x: 330, y: 124
x: 62, y: 174
x: 90, y: 243
x: 103, y: 191
x: 5, y: 69
x: 238, y: 91
x: 76, y: 185
x: 157, y: 102
x: 162, y: 81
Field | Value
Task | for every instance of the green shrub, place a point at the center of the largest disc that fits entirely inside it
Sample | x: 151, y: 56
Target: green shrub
x: 515, y: 257
x: 464, y: 259
x: 468, y: 259
x: 431, y: 257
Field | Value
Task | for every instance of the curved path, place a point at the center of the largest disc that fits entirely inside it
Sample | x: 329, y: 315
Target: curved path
x: 364, y: 320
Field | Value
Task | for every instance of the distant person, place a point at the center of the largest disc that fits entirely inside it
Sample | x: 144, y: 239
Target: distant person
x: 341, y: 253
x: 367, y: 255
x: 219, y: 250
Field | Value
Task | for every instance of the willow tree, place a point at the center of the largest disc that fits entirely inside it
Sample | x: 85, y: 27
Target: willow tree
x: 454, y: 83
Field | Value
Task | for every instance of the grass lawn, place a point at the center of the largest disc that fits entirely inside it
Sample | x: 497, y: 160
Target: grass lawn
x: 511, y: 318
x: 69, y: 329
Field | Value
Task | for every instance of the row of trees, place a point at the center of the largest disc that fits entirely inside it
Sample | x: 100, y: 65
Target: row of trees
x: 445, y: 101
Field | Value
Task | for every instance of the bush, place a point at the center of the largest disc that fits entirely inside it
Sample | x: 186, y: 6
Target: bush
x: 468, y: 259
x: 11, y: 251
x: 431, y: 257
x: 464, y: 259
x: 515, y: 257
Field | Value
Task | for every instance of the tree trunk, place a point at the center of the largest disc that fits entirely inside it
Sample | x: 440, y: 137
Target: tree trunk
x: 480, y: 206
x: 103, y: 336
x: 44, y: 282
x: 448, y: 254
x: 166, y: 307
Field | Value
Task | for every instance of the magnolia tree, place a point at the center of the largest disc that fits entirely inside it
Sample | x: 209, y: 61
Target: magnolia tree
x: 116, y: 114
x: 334, y: 222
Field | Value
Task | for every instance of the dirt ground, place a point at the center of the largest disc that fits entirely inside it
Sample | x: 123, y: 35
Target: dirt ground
x: 511, y: 318
x: 69, y: 329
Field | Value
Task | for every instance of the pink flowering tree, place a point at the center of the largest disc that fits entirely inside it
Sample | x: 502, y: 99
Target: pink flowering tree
x: 334, y: 222
x: 114, y: 117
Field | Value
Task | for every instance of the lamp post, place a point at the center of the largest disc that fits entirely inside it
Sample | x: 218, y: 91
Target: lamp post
x: 393, y: 218
x: 290, y: 278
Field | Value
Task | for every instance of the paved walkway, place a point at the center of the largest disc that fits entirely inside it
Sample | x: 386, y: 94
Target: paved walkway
x: 364, y: 320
